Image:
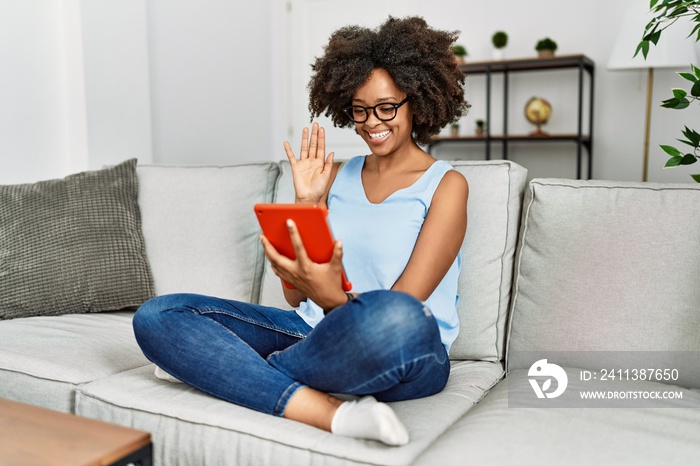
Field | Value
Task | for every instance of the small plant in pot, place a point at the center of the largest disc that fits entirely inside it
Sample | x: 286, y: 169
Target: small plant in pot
x: 460, y: 52
x: 454, y: 130
x: 480, y: 126
x: 546, y: 47
x: 499, y: 41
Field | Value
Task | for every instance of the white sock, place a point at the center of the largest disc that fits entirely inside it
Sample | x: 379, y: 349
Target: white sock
x: 161, y: 374
x: 367, y: 418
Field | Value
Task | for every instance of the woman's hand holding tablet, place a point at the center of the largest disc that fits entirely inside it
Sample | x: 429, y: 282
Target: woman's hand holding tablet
x: 312, y: 225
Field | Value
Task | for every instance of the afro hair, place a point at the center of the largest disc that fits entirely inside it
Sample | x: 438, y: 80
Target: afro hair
x: 418, y: 58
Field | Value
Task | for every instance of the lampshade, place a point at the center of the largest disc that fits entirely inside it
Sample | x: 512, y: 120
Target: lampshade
x: 674, y: 49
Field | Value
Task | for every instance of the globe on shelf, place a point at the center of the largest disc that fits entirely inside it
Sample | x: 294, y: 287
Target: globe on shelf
x: 537, y: 112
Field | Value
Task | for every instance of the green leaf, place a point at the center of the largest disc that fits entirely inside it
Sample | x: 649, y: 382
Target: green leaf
x: 672, y: 151
x: 696, y: 70
x: 696, y: 177
x: 654, y: 38
x: 688, y: 159
x: 678, y: 11
x: 696, y: 28
x: 686, y: 142
x: 692, y: 136
x: 679, y: 93
x: 651, y: 29
x: 644, y: 47
x: 673, y: 162
x: 689, y: 76
x: 695, y: 90
x: 676, y: 104
x: 652, y: 3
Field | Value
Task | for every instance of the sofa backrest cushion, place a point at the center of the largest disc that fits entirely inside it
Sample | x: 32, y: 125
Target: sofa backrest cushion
x: 488, y: 252
x: 200, y: 228
x: 606, y: 267
x: 495, y: 198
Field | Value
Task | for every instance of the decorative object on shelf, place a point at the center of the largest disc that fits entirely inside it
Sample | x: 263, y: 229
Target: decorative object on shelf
x: 460, y: 52
x: 537, y: 112
x: 454, y: 130
x: 499, y: 41
x: 480, y: 126
x: 546, y: 47
x: 676, y: 51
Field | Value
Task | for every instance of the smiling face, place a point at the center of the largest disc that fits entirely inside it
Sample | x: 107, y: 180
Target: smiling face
x: 384, y: 137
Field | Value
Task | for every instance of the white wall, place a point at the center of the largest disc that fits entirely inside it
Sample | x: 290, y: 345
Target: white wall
x: 87, y: 83
x: 117, y: 87
x: 92, y: 82
x: 32, y: 136
x: 211, y: 81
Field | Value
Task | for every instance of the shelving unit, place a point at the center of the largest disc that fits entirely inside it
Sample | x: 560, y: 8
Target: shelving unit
x: 506, y: 67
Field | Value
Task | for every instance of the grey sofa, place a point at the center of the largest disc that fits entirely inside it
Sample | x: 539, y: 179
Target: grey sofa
x: 593, y: 277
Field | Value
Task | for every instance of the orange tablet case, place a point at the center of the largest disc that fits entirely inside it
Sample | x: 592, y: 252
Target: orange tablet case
x: 312, y: 225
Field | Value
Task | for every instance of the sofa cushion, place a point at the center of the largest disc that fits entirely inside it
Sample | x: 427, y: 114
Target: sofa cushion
x: 200, y: 229
x: 495, y: 195
x: 73, y: 245
x: 607, y: 267
x: 191, y: 428
x: 495, y: 198
x: 43, y: 359
x: 495, y: 432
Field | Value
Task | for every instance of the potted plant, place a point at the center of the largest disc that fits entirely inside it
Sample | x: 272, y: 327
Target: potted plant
x: 460, y: 52
x: 480, y: 126
x: 499, y: 41
x: 454, y: 130
x: 665, y: 14
x: 546, y: 47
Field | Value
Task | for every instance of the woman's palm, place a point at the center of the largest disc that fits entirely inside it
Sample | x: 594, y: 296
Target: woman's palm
x: 312, y: 171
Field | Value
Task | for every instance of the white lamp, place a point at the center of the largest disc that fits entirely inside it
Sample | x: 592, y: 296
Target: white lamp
x: 674, y: 50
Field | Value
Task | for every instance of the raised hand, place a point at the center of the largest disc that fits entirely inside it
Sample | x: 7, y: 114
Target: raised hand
x: 312, y: 171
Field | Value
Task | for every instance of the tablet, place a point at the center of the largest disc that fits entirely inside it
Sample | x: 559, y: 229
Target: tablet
x: 313, y: 227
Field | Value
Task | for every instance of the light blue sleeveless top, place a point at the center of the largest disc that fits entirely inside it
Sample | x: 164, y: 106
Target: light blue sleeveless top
x: 378, y: 240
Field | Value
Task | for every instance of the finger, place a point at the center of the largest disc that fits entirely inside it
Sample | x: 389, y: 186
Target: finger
x: 297, y: 243
x: 290, y: 154
x: 329, y: 162
x: 321, y: 151
x: 304, y: 153
x: 313, y: 147
x: 276, y: 259
x: 337, y: 257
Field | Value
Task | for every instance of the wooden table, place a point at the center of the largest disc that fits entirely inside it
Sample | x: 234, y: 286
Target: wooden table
x: 30, y: 435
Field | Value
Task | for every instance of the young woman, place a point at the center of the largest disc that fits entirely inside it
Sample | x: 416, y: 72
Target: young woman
x: 400, y: 217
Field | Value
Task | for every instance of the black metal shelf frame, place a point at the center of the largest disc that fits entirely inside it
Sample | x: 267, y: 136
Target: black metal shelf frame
x: 506, y: 67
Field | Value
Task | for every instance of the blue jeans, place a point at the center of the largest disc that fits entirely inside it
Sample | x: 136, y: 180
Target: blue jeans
x: 382, y: 343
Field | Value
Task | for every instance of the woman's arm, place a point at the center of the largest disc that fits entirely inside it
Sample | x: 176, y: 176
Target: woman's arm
x: 440, y: 238
x: 313, y: 174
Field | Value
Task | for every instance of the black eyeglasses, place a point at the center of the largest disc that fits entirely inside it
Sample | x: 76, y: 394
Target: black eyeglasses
x: 383, y: 112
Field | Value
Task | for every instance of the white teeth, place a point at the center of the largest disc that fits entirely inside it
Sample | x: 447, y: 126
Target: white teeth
x: 378, y: 135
